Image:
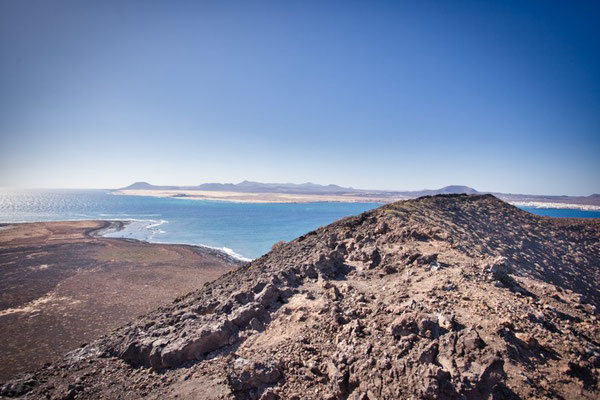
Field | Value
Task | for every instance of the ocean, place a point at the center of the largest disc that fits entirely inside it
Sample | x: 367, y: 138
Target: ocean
x: 244, y: 230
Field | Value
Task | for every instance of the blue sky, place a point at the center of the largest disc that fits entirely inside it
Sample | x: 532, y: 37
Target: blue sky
x: 500, y: 96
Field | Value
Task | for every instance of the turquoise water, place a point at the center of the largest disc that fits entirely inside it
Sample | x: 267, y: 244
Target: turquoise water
x: 242, y: 229
x: 562, y: 212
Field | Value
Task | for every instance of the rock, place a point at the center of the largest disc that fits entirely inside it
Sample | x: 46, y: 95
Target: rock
x: 208, y: 338
x: 501, y: 270
x: 468, y: 341
x: 17, y: 388
x: 268, y: 295
x: 427, y: 260
x: 331, y: 290
x: 269, y: 394
x: 375, y: 258
x: 248, y: 374
x: 429, y: 354
x: 382, y: 228
x: 370, y: 255
x: 527, y: 340
x: 340, y: 330
x: 135, y: 351
x: 338, y: 378
x: 434, y: 266
x: 256, y: 324
x: 188, y: 315
x: 404, y: 325
x: 446, y: 321
x: 243, y: 315
x: 484, y: 376
x: 428, y: 326
x: 390, y: 269
x: 243, y: 296
x: 506, y: 323
x: 435, y: 384
x: 267, y: 373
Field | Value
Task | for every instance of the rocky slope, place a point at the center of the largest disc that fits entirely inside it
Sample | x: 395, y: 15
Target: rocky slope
x: 440, y: 297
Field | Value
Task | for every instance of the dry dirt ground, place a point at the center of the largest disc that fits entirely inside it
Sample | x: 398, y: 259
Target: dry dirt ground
x: 445, y: 297
x: 60, y: 286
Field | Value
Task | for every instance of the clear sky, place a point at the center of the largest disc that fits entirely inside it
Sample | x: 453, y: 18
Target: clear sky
x: 497, y: 95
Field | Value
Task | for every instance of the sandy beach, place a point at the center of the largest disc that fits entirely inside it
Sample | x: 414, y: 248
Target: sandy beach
x: 262, y: 197
x: 539, y: 204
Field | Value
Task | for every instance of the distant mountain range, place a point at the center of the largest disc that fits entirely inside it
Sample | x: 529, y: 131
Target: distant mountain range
x: 453, y: 189
x: 252, y: 187
x: 315, y: 189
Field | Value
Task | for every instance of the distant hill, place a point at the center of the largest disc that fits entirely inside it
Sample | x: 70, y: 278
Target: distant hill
x: 258, y: 187
x: 147, y: 186
x: 389, y: 195
x: 453, y: 189
x: 295, y: 188
x: 252, y: 187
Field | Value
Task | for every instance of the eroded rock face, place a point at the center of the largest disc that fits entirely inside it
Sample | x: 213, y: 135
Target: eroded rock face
x: 450, y: 297
x: 207, y: 339
x: 248, y: 374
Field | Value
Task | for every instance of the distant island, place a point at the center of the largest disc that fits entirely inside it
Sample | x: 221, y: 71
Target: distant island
x: 258, y: 192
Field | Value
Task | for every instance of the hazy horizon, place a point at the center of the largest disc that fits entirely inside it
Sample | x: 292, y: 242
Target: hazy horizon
x: 400, y: 189
x: 501, y: 97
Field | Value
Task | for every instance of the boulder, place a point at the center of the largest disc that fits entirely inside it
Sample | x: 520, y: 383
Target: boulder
x: 404, y: 325
x: 247, y: 374
x: 428, y: 326
x: 208, y: 338
x: 243, y: 315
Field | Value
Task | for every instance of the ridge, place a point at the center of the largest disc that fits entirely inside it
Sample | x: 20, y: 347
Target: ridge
x: 447, y: 296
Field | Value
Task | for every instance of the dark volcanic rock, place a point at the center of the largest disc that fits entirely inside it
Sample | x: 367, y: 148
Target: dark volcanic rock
x: 446, y: 297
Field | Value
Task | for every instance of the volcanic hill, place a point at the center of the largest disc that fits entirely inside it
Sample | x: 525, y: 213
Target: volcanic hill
x: 450, y: 297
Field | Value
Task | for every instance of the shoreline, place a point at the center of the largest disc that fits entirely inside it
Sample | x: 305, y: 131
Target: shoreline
x: 119, y: 225
x: 231, y: 254
x: 112, y: 226
x: 283, y: 198
x: 259, y: 198
x: 541, y: 204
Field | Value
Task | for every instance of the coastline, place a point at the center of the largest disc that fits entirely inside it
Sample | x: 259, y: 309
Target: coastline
x: 241, y: 197
x: 541, y: 204
x: 113, y: 226
x: 274, y: 198
x: 223, y: 252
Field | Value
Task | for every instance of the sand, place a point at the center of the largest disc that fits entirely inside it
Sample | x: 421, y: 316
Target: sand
x: 263, y: 197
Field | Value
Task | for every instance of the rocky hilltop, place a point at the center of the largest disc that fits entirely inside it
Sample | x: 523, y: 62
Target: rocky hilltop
x: 451, y: 297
